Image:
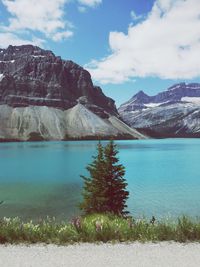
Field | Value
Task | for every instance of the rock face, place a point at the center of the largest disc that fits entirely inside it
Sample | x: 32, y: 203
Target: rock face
x: 172, y: 113
x: 33, y: 76
x: 45, y: 97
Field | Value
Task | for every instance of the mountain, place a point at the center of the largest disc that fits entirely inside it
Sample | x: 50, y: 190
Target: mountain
x: 45, y: 97
x: 172, y: 113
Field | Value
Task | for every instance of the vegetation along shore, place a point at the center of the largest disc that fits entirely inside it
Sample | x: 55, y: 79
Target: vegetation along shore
x: 98, y: 228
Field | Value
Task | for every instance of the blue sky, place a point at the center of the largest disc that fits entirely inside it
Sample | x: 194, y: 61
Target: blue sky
x: 127, y: 45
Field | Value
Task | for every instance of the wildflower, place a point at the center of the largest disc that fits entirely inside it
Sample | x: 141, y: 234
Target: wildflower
x: 76, y: 222
x: 99, y: 226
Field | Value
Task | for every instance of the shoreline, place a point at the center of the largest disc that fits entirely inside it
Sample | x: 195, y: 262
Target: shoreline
x: 84, y: 138
x: 95, y: 139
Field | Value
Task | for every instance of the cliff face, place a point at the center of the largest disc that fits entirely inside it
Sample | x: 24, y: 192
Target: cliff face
x: 45, y: 97
x: 33, y: 76
x: 172, y: 113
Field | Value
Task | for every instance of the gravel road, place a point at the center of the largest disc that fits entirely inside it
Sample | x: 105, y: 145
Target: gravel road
x: 162, y: 254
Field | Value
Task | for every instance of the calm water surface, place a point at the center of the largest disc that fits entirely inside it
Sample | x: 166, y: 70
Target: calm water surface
x: 40, y: 179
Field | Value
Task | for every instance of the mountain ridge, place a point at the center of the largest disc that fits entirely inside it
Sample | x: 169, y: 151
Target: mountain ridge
x: 172, y: 94
x: 174, y: 112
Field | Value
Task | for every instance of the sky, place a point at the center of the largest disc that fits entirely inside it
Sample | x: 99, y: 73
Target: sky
x: 126, y: 45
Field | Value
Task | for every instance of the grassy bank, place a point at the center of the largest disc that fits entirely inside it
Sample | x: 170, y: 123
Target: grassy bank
x: 96, y: 228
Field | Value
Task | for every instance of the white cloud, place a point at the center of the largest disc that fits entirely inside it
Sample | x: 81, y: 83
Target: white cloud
x: 135, y: 17
x: 90, y: 3
x: 44, y: 16
x: 7, y: 39
x: 85, y: 4
x: 166, y: 44
x: 59, y: 36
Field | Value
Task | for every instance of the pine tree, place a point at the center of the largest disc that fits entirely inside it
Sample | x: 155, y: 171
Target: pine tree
x: 93, y: 190
x: 116, y: 184
x: 104, y: 191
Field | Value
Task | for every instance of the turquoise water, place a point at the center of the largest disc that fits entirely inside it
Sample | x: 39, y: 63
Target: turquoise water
x: 40, y: 179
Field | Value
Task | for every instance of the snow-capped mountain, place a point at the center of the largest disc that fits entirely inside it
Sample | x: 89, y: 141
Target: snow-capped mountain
x: 172, y: 113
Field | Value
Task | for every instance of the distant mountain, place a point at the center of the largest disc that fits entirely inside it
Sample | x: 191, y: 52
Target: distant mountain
x: 172, y: 113
x: 45, y: 97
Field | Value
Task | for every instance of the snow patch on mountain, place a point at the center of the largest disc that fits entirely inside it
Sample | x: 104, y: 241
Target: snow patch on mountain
x: 153, y: 105
x: 7, y: 61
x: 195, y: 100
x: 1, y: 77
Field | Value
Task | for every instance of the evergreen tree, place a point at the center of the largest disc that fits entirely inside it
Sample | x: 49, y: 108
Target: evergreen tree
x: 93, y: 190
x: 104, y: 191
x: 116, y: 184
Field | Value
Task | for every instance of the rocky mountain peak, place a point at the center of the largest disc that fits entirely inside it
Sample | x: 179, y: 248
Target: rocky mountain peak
x: 136, y: 102
x: 31, y: 75
x: 140, y: 97
x: 176, y: 86
x: 16, y: 52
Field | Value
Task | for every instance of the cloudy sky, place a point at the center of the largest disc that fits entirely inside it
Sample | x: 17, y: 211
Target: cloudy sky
x: 127, y: 45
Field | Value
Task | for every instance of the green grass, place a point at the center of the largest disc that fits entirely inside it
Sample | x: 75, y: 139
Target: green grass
x: 95, y: 228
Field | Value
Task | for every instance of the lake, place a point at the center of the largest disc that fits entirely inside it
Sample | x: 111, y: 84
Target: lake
x: 39, y: 179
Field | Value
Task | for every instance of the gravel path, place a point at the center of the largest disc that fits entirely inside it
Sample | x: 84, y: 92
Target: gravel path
x: 163, y: 254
